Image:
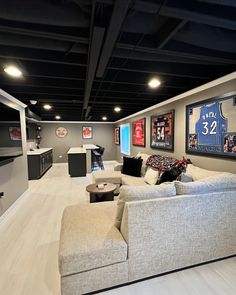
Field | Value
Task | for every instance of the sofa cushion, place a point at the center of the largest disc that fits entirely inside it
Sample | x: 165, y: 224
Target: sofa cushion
x: 151, y: 176
x: 220, y: 182
x: 198, y: 173
x: 132, y: 166
x: 107, y: 176
x: 147, y: 192
x: 185, y: 177
x: 131, y: 180
x: 89, y: 238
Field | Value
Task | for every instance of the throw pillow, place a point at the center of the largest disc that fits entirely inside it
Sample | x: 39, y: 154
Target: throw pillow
x: 218, y: 183
x: 133, y: 193
x: 145, y: 158
x: 151, y: 176
x: 132, y: 166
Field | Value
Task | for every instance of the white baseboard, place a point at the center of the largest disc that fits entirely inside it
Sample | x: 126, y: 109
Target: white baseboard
x: 12, y: 209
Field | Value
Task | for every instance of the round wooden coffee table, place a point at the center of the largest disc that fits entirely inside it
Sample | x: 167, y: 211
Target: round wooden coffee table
x: 101, y: 194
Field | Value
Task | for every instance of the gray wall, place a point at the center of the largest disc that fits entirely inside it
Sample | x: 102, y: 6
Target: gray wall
x: 102, y: 135
x: 179, y: 106
x: 14, y: 176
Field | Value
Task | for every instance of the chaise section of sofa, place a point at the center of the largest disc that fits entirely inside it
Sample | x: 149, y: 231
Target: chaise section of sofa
x: 159, y: 232
x: 167, y: 234
x: 93, y: 253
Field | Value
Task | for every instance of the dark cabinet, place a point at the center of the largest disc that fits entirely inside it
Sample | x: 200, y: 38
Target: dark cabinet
x: 77, y: 164
x: 38, y: 164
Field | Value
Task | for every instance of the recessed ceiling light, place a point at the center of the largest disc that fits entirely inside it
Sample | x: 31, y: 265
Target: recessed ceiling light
x: 32, y: 101
x: 104, y: 118
x: 57, y: 117
x: 13, y: 71
x: 117, y: 109
x: 154, y: 83
x: 47, y: 107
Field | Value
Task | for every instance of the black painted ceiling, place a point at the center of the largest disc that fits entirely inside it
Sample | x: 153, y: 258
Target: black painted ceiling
x: 84, y: 57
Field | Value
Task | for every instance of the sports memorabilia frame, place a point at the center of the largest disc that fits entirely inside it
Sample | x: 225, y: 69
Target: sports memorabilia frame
x: 139, y: 132
x: 162, y: 131
x: 87, y: 132
x: 211, y: 128
x: 117, y: 135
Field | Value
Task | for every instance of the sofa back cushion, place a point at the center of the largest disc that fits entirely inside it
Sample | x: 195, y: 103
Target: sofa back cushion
x: 133, y: 193
x: 198, y: 173
x: 132, y: 166
x: 220, y: 182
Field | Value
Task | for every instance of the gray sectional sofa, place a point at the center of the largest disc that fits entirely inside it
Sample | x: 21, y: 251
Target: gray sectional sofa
x: 150, y: 230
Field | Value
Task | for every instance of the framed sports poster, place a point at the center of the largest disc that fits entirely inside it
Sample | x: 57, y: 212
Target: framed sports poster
x: 139, y: 132
x: 211, y: 127
x: 87, y: 132
x: 117, y: 135
x: 162, y: 131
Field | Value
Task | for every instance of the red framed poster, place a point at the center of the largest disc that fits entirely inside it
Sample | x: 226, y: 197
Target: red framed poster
x: 139, y: 132
x: 87, y: 132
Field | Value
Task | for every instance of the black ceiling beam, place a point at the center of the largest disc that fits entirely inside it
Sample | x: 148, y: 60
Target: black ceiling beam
x: 94, y: 51
x: 42, y: 34
x: 192, y: 76
x: 150, y: 56
x: 173, y: 53
x: 41, y: 60
x: 40, y: 96
x: 185, y: 11
x: 107, y: 102
x: 230, y: 3
x: 119, y: 13
x: 165, y: 85
x: 171, y: 27
x: 36, y: 92
x: 207, y: 38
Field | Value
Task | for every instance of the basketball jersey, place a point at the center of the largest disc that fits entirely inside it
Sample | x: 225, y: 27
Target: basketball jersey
x: 211, y: 125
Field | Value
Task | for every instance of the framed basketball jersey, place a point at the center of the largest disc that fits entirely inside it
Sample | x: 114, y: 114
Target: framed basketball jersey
x: 211, y: 127
x: 162, y: 131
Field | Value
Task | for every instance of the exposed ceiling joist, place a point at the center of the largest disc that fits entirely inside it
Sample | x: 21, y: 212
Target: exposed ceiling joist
x: 50, y: 61
x: 100, y: 102
x: 43, y: 34
x: 195, y: 16
x: 170, y: 29
x: 185, y: 11
x: 28, y: 85
x: 118, y: 15
x: 95, y: 48
x: 175, y: 53
x: 230, y: 3
x: 170, y: 73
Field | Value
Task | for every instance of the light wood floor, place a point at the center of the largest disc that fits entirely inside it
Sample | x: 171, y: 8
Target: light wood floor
x: 29, y: 236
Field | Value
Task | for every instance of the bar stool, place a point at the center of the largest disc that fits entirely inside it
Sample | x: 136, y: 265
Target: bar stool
x: 97, y: 157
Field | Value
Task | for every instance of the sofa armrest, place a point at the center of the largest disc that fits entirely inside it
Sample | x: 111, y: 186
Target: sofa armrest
x: 118, y: 167
x: 89, y: 239
x: 175, y: 232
